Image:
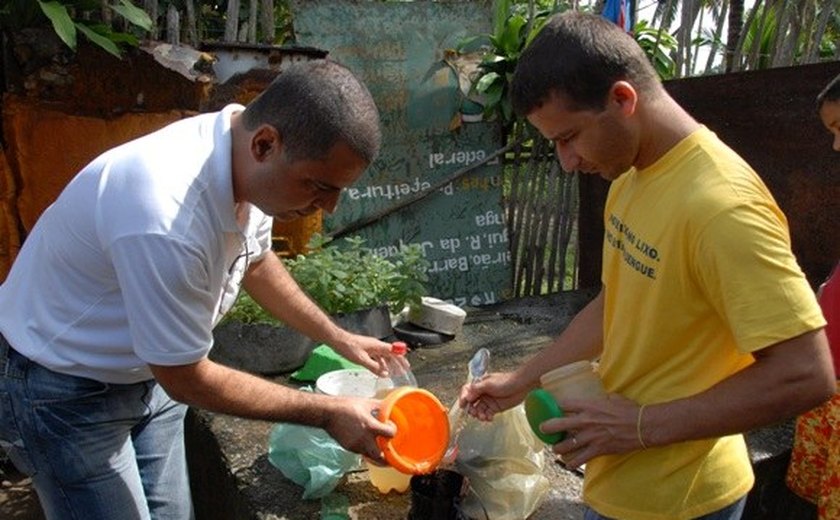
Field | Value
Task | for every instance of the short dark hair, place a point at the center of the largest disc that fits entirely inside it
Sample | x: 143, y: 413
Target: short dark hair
x: 314, y: 105
x: 831, y: 92
x: 579, y: 56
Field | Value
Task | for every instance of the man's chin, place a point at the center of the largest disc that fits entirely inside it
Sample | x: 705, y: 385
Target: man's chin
x: 287, y: 216
x: 611, y: 176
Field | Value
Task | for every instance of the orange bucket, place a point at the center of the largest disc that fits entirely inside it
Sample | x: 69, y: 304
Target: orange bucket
x: 422, y: 430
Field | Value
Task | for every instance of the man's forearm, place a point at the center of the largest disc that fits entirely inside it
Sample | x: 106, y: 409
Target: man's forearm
x: 273, y: 288
x: 787, y: 379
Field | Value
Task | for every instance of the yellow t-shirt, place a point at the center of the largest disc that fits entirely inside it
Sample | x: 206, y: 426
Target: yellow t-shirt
x: 698, y: 273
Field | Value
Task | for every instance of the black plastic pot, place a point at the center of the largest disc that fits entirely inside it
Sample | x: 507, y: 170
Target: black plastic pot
x: 268, y: 349
x: 436, y: 496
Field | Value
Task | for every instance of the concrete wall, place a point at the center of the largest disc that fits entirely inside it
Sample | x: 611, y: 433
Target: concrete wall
x: 769, y: 118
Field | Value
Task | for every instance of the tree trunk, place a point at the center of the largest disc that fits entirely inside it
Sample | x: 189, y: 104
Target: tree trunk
x: 733, y: 36
x: 151, y: 7
x: 232, y: 21
x: 663, y: 25
x: 813, y: 55
x: 688, y: 17
x: 788, y: 28
x: 754, y: 57
x: 718, y: 32
x: 107, y: 14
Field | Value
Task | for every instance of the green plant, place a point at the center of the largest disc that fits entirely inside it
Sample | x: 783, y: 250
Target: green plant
x: 347, y: 279
x: 659, y: 45
x: 512, y: 31
x: 352, y: 278
x: 69, y: 17
x: 246, y: 310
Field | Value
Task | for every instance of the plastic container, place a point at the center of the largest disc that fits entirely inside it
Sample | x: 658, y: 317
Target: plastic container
x: 352, y: 382
x: 387, y: 478
x: 576, y: 380
x: 420, y: 441
x: 422, y: 430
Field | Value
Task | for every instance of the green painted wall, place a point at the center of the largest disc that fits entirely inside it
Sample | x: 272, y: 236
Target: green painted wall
x: 398, y: 49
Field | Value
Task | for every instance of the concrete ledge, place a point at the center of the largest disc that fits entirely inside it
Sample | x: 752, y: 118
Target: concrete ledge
x: 232, y: 478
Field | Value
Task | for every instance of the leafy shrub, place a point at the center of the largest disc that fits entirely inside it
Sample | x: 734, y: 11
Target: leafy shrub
x: 353, y: 278
x: 347, y: 279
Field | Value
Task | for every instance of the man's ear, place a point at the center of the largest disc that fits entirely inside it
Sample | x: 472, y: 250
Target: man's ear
x: 624, y: 97
x: 265, y: 142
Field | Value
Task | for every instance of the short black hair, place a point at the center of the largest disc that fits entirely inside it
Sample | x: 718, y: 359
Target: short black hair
x: 831, y: 92
x: 314, y: 105
x: 579, y: 56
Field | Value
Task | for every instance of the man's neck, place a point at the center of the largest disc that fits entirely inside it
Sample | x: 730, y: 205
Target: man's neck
x: 665, y: 123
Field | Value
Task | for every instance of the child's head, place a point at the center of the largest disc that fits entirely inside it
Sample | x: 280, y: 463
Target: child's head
x: 828, y: 104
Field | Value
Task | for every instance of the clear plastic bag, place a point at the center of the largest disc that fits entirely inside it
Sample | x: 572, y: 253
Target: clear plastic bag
x: 503, y: 462
x: 310, y: 458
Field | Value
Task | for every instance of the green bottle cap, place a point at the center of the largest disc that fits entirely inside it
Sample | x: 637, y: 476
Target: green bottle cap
x: 540, y: 406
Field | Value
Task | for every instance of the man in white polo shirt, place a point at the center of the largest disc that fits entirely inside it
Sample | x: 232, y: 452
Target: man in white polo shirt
x: 108, y: 311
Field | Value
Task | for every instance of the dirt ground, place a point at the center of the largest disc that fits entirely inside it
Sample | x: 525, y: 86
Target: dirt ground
x: 17, y: 499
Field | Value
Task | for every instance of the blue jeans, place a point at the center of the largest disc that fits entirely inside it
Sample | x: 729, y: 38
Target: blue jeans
x: 94, y: 450
x: 730, y: 512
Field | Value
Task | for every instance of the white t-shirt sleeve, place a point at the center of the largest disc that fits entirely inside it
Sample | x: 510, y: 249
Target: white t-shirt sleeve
x: 166, y: 289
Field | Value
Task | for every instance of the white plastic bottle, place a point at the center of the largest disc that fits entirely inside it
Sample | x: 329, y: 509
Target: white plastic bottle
x: 386, y: 478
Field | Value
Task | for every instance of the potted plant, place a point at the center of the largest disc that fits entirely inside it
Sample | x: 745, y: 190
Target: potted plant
x: 357, y: 288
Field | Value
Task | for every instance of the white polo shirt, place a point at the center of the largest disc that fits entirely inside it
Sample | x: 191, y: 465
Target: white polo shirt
x: 134, y: 260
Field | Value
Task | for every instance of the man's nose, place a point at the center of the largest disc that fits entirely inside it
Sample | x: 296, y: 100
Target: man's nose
x: 328, y: 202
x: 569, y: 160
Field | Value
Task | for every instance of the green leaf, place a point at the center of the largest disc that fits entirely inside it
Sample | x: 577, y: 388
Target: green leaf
x: 500, y: 13
x: 99, y: 40
x: 511, y: 42
x: 493, y: 94
x: 471, y: 43
x: 133, y: 14
x: 126, y: 38
x: 491, y: 59
x: 486, y: 81
x: 61, y: 21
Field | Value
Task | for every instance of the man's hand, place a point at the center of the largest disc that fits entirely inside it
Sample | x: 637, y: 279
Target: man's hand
x: 492, y: 394
x: 595, y: 427
x: 366, y: 351
x: 352, y: 423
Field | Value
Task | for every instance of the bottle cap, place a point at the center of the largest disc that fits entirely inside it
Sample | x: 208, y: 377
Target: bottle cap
x: 422, y: 430
x: 540, y: 406
x: 399, y: 348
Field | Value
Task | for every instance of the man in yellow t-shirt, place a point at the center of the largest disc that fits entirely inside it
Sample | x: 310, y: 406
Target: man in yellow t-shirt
x: 705, y: 326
